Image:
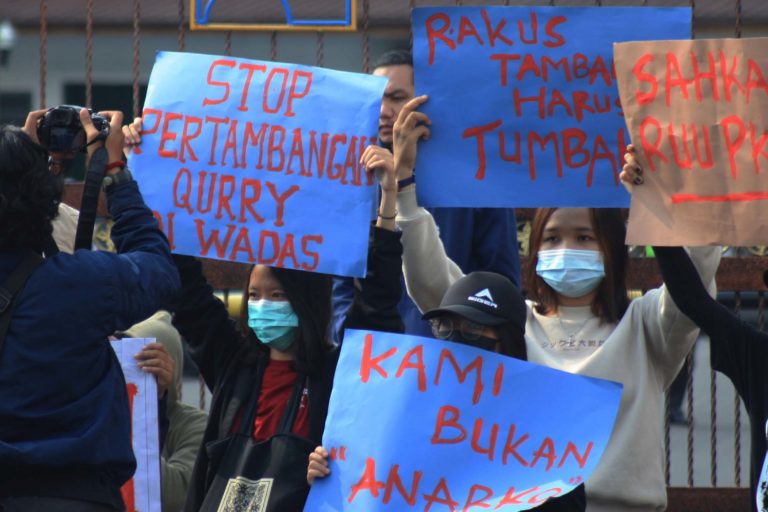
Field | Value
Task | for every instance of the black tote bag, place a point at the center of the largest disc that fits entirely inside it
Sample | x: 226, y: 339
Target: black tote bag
x: 266, y: 476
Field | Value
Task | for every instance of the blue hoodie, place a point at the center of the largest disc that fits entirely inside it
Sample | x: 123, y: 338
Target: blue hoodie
x: 64, y: 417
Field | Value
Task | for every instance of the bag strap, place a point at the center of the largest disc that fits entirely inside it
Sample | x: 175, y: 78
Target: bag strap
x: 292, y: 409
x: 249, y: 412
x: 9, y: 290
x: 90, y: 202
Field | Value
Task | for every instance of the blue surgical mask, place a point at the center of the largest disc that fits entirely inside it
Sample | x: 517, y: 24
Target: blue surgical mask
x: 570, y: 272
x: 273, y: 322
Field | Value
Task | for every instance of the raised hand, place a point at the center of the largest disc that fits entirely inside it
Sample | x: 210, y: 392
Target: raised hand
x: 410, y: 127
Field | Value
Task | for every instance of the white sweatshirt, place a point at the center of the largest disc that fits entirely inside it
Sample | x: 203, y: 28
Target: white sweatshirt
x: 65, y: 228
x: 644, y: 351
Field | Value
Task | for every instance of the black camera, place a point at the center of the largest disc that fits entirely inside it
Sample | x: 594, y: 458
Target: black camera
x: 60, y: 129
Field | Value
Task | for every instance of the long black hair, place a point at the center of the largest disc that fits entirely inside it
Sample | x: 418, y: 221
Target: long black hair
x: 310, y: 296
x: 29, y: 193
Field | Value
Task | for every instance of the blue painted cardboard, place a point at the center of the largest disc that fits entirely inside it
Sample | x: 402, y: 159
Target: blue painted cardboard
x: 414, y: 421
x: 524, y: 103
x: 258, y: 162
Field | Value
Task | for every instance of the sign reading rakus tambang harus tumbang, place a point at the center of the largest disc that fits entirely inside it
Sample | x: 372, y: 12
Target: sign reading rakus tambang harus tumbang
x: 696, y: 113
x: 523, y: 102
x: 259, y: 162
x: 419, y: 424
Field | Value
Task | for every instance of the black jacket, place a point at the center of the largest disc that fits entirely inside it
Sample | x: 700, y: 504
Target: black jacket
x: 737, y: 350
x: 229, y: 365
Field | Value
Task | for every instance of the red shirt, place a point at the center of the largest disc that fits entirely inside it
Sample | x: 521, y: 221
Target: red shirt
x: 276, y: 391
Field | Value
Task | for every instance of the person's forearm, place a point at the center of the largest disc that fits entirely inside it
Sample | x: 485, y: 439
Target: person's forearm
x: 377, y: 296
x: 688, y: 292
x: 135, y: 228
x: 203, y: 321
x: 387, y: 213
x: 427, y: 268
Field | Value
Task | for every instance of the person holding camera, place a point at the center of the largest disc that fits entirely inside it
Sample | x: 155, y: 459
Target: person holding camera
x: 65, y: 440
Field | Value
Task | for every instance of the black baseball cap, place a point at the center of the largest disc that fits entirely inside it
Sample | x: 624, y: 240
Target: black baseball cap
x: 485, y: 298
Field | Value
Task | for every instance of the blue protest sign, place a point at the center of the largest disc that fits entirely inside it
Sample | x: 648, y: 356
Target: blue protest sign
x: 524, y: 104
x: 258, y: 162
x: 415, y: 422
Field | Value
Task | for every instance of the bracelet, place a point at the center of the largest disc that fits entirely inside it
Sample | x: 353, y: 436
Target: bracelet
x: 406, y: 181
x: 115, y: 165
x: 394, y: 215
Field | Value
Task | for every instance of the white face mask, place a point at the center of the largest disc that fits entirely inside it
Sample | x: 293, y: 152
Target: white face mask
x: 571, y: 272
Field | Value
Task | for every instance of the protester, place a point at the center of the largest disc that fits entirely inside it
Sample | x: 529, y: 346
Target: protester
x: 64, y: 418
x: 737, y: 350
x: 474, y: 238
x: 579, y: 320
x: 281, y: 354
x: 184, y: 424
x: 181, y: 426
x: 496, y: 326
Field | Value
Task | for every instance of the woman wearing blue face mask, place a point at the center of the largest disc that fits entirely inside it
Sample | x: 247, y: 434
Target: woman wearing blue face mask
x: 579, y: 319
x: 271, y: 375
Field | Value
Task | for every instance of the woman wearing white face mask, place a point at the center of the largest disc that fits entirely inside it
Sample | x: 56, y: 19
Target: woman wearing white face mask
x: 579, y: 320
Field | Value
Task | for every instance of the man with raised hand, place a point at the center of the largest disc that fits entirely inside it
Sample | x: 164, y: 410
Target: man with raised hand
x: 475, y: 238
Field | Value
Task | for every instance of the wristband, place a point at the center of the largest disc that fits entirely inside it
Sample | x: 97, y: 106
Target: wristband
x: 114, y: 165
x: 406, y: 181
x: 113, y: 180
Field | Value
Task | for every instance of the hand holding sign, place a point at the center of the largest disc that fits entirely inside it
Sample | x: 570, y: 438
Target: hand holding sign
x: 318, y: 465
x: 380, y: 161
x: 132, y: 134
x: 410, y: 127
x: 155, y: 360
x: 631, y: 173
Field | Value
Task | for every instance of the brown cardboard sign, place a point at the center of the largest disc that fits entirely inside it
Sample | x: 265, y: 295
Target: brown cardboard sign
x: 697, y: 114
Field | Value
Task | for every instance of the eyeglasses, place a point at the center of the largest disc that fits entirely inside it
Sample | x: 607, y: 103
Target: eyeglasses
x: 444, y: 326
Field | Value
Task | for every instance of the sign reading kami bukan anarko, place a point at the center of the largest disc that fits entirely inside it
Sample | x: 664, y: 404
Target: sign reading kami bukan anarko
x: 418, y: 424
x: 524, y: 104
x: 259, y: 162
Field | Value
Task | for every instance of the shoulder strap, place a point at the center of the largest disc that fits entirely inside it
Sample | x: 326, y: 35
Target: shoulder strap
x: 292, y: 409
x: 12, y: 286
x: 249, y: 410
x: 90, y: 202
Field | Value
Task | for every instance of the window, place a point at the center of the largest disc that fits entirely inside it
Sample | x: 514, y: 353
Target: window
x: 14, y: 107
